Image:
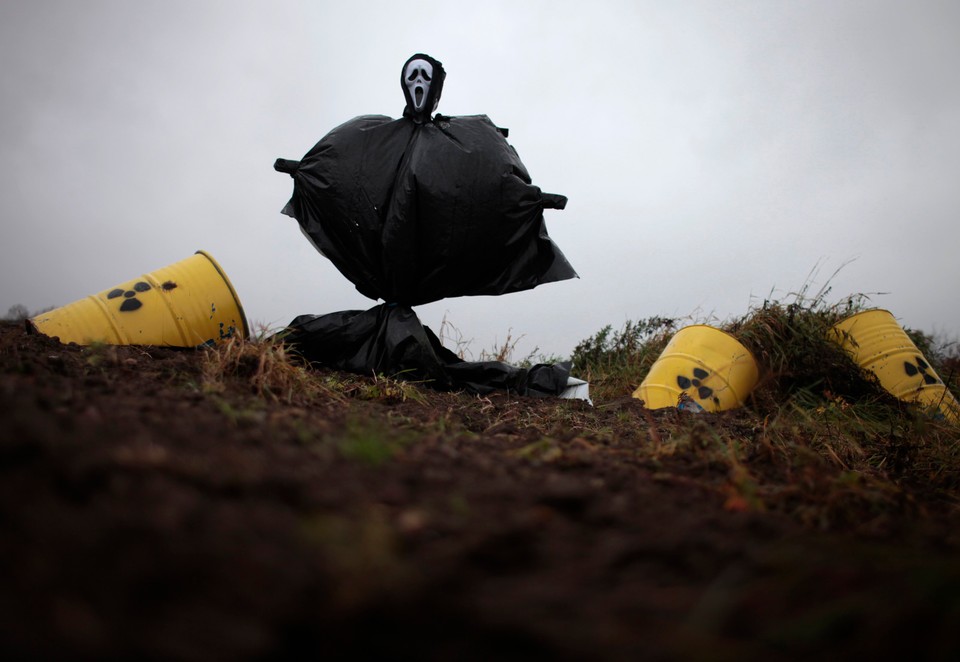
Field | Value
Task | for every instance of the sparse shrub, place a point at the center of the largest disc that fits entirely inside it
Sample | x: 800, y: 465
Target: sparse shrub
x: 16, y: 313
x: 615, y: 362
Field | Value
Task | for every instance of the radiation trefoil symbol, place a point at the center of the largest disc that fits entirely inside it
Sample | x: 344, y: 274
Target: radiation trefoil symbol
x: 699, y: 376
x: 921, y: 368
x: 130, y: 300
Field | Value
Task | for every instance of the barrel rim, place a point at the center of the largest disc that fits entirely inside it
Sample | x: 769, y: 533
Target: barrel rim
x: 233, y: 292
x: 864, y: 312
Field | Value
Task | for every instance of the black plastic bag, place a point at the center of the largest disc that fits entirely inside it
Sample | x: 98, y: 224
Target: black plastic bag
x: 417, y: 212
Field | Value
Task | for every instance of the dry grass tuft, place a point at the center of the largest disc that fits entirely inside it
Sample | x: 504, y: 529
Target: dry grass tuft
x: 378, y: 387
x: 267, y: 367
x: 792, y: 346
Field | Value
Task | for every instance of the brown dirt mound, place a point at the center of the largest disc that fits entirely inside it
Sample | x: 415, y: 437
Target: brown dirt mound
x: 144, y: 514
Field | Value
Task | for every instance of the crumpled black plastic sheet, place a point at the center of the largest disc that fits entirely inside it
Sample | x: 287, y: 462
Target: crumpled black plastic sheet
x: 389, y: 339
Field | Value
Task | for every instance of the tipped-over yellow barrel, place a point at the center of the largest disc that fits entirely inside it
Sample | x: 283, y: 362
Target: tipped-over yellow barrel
x: 877, y: 343
x: 707, y: 364
x: 186, y: 304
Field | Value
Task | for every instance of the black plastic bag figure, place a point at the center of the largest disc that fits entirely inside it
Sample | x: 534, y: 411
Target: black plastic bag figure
x: 414, y: 210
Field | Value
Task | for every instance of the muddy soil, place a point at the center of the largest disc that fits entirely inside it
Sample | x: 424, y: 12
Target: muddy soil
x: 144, y: 515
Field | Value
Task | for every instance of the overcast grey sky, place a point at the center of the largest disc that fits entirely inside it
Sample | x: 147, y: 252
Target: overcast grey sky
x: 713, y: 152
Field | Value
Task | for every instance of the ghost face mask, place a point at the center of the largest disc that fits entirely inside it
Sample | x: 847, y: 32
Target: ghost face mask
x: 417, y: 77
x: 422, y: 81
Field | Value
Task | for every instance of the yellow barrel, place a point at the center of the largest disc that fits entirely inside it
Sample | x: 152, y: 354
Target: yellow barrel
x: 707, y: 364
x: 186, y: 304
x: 879, y: 344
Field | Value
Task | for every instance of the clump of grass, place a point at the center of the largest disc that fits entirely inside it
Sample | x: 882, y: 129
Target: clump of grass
x: 380, y: 388
x: 792, y: 345
x: 266, y: 366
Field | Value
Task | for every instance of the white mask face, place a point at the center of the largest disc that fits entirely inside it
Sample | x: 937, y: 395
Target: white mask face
x: 417, y: 77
